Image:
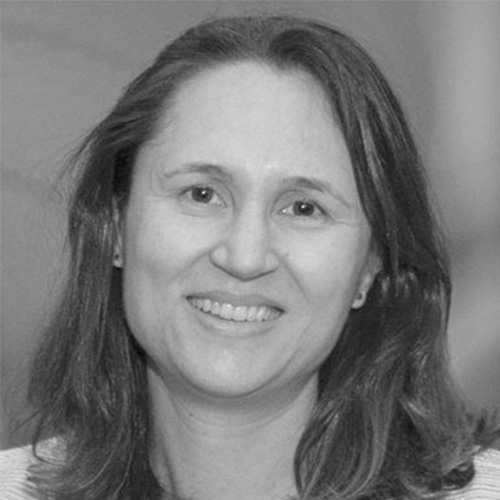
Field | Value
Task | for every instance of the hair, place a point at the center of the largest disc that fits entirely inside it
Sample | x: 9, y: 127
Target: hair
x: 388, y: 422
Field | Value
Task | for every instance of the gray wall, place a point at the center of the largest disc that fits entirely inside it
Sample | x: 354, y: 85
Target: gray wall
x: 64, y: 64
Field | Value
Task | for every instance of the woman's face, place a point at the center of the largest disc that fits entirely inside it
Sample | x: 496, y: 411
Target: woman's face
x: 244, y: 242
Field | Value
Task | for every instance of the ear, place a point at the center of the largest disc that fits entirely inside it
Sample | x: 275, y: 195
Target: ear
x: 118, y: 249
x: 371, y: 269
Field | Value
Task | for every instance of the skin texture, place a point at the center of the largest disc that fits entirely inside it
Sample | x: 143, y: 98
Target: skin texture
x: 246, y: 195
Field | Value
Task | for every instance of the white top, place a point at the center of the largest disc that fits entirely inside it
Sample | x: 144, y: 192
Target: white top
x: 484, y: 486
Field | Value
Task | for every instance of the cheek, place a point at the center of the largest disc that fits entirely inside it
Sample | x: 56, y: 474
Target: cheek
x: 163, y: 243
x: 328, y: 267
x: 159, y: 250
x: 327, y: 270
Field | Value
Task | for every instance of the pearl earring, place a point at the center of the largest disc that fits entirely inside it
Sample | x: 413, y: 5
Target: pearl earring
x: 117, y: 260
x: 359, y: 300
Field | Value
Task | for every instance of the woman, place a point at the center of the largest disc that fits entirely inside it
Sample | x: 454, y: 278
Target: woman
x: 257, y: 300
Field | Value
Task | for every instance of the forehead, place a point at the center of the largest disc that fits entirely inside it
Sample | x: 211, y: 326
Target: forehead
x: 253, y: 115
x: 249, y: 83
x: 251, y: 95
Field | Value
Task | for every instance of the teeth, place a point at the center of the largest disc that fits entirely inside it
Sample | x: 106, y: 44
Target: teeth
x: 240, y: 313
x: 252, y: 313
x: 261, y: 314
x: 236, y: 313
x: 226, y: 311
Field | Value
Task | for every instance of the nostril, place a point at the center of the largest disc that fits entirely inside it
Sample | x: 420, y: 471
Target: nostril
x: 245, y: 251
x: 219, y: 256
x: 245, y: 262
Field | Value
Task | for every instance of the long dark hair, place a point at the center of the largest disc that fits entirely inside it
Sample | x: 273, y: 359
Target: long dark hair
x: 387, y: 423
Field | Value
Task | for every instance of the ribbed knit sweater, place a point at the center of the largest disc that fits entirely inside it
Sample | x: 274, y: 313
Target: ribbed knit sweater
x: 15, y: 486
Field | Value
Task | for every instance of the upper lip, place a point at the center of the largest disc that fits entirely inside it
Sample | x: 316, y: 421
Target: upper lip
x: 237, y: 299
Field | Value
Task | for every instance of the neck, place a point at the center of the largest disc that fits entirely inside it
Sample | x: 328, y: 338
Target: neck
x: 238, y: 451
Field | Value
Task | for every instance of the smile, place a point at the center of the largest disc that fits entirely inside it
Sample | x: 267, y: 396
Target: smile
x: 240, y: 313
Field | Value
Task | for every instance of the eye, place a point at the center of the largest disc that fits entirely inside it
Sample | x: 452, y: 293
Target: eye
x: 203, y: 195
x: 304, y: 208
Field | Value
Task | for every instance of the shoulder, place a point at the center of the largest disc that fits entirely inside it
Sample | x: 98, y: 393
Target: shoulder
x: 14, y: 464
x: 486, y: 482
x: 13, y: 473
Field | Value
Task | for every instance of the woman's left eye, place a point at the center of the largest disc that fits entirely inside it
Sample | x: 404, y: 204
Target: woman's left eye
x: 304, y: 209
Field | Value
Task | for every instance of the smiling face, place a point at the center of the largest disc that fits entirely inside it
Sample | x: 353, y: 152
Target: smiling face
x: 244, y: 241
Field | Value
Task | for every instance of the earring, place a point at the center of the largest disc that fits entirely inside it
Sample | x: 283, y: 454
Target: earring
x: 359, y: 300
x: 117, y: 260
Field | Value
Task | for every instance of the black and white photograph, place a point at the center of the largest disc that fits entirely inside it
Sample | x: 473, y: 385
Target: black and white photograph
x: 250, y: 250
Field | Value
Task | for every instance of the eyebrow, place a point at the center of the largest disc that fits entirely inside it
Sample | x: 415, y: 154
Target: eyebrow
x: 311, y: 183
x: 200, y: 168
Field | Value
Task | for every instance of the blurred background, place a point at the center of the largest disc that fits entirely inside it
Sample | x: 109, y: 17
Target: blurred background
x: 63, y: 65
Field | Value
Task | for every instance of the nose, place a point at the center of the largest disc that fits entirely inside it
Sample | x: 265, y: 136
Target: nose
x: 246, y: 251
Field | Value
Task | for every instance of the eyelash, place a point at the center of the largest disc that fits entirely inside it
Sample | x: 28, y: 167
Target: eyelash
x: 318, y: 211
x: 191, y: 189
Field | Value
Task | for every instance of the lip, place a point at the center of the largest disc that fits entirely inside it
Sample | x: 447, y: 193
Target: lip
x: 236, y: 300
x: 237, y: 329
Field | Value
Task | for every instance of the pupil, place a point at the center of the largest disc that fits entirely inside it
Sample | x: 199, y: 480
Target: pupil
x: 202, y: 194
x: 303, y: 208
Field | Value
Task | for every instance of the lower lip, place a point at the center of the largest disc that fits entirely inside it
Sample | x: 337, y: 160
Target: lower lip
x: 230, y: 327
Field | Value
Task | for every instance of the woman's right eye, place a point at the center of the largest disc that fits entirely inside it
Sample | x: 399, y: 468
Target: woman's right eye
x: 201, y: 194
